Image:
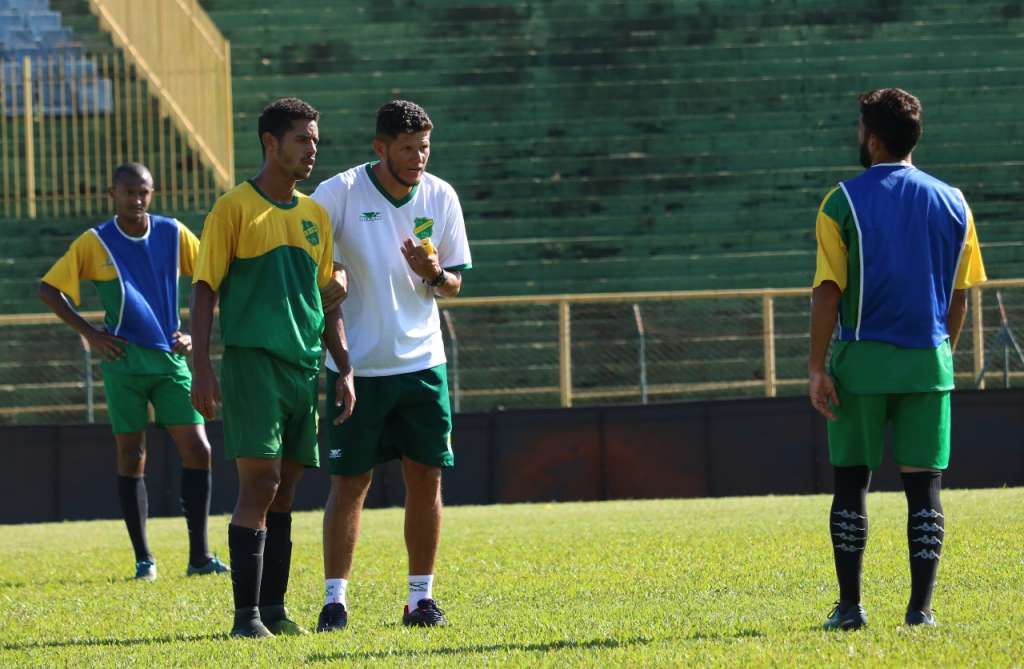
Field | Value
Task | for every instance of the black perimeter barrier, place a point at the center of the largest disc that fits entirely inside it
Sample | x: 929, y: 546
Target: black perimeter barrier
x: 692, y: 449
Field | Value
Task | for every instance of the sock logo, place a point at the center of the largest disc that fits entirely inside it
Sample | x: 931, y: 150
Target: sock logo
x: 931, y: 541
x: 929, y: 527
x: 849, y: 549
x: 847, y: 537
x: 927, y: 513
x: 417, y: 586
x: 849, y: 527
x: 926, y: 554
x: 849, y: 515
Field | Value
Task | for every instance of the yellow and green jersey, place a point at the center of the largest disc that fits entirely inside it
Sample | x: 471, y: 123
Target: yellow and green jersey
x: 268, y: 261
x: 87, y: 259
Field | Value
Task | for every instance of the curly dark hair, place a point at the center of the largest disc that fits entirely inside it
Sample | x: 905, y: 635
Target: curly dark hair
x: 401, y: 116
x: 277, y: 117
x: 894, y: 116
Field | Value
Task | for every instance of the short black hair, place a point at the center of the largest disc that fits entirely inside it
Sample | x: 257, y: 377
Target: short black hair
x: 401, y: 116
x: 131, y: 171
x: 894, y: 116
x: 277, y: 117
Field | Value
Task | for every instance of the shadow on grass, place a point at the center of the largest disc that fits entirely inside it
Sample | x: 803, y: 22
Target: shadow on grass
x: 716, y: 636
x: 31, y: 645
x: 481, y: 648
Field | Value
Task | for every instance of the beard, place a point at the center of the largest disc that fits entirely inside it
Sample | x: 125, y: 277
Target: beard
x: 394, y: 173
x: 865, y: 155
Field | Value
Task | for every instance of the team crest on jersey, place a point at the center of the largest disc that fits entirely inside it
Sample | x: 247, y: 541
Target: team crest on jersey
x: 423, y: 227
x: 309, y: 229
x: 369, y: 216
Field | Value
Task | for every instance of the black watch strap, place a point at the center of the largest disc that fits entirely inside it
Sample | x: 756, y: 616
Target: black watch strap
x: 439, y: 279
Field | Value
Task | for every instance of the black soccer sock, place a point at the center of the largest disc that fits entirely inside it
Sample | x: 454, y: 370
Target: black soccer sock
x: 195, y: 502
x: 848, y: 525
x: 135, y: 508
x: 246, y: 548
x: 277, y: 559
x: 926, y: 532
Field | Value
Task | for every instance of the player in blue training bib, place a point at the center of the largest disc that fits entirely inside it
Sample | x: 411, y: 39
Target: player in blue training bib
x: 135, y: 260
x: 897, y: 250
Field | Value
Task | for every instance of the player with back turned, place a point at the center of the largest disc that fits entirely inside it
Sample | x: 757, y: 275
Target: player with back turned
x: 134, y: 260
x: 897, y: 250
x: 266, y: 255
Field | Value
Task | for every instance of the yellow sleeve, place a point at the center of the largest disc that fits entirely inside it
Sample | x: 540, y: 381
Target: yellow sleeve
x: 832, y: 254
x: 85, y: 260
x: 325, y: 266
x: 971, y: 269
x: 217, y: 245
x: 188, y: 249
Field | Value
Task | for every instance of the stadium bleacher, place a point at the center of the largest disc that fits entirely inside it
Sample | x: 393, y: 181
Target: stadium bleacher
x: 618, y: 146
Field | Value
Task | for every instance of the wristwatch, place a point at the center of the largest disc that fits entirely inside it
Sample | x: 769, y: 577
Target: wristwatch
x: 439, y: 279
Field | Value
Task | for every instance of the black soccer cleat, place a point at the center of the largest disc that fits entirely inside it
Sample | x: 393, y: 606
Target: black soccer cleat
x: 920, y: 617
x: 248, y: 624
x: 333, y: 617
x: 426, y: 614
x: 846, y: 617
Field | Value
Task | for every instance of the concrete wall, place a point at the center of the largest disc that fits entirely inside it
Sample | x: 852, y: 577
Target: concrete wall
x: 696, y: 449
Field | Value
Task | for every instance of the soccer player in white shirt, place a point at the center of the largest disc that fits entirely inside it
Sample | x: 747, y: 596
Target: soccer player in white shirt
x: 400, y: 236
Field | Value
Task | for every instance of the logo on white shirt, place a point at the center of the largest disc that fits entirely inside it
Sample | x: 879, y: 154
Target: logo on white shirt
x: 369, y: 216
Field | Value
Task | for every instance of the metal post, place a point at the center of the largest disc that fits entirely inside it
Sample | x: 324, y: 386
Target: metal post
x: 768, y: 331
x: 30, y: 147
x: 642, y: 352
x: 87, y: 355
x: 564, y: 354
x: 977, y: 335
x: 453, y: 388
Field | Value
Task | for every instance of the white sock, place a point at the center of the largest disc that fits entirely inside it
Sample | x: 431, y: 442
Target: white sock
x: 420, y: 587
x: 334, y: 592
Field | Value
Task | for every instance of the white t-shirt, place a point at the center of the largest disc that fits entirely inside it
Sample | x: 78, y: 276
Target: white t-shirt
x: 391, y: 317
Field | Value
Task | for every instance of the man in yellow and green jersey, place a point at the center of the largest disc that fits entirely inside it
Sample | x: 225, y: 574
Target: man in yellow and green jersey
x: 134, y: 260
x: 266, y: 253
x: 897, y: 249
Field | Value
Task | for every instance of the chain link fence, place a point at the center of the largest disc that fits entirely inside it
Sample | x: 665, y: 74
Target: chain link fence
x: 552, y: 351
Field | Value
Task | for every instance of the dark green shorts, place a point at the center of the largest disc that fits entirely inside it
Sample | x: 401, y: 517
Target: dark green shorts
x: 128, y: 395
x: 920, y: 429
x: 269, y: 407
x: 402, y: 415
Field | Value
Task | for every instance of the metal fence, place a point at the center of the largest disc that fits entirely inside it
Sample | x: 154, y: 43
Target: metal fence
x: 67, y: 119
x: 562, y: 350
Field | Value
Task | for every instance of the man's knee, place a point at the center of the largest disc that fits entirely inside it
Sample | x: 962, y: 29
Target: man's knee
x: 351, y: 487
x: 131, y: 455
x: 419, y: 473
x: 284, y: 497
x: 261, y: 487
x: 193, y: 447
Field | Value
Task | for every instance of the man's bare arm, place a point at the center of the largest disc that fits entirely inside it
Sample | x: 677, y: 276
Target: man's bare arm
x: 103, y: 344
x: 451, y: 286
x: 957, y: 316
x: 337, y: 345
x: 824, y: 312
x: 205, y: 389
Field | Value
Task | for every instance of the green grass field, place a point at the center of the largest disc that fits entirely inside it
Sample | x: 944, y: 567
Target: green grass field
x: 715, y: 582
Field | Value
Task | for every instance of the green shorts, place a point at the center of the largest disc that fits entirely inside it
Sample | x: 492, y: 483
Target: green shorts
x: 920, y: 429
x: 269, y: 407
x: 405, y: 415
x: 128, y: 395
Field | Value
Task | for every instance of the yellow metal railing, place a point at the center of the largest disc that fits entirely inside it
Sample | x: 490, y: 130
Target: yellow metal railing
x: 732, y: 320
x: 67, y: 121
x: 187, y: 61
